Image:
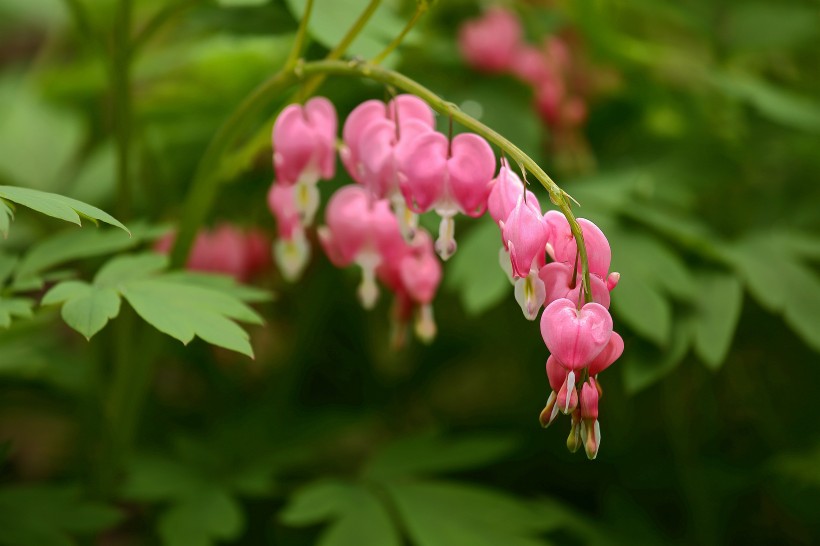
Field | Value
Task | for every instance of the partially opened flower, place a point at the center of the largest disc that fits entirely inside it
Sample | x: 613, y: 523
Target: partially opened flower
x: 591, y: 430
x: 291, y: 248
x: 449, y: 177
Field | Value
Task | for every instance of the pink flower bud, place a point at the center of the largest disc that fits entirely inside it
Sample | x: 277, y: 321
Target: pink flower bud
x: 531, y: 66
x: 589, y: 414
x: 489, y: 43
x: 575, y: 336
x: 283, y: 207
x: 612, y: 352
x: 558, y: 283
x: 304, y: 142
x: 589, y: 400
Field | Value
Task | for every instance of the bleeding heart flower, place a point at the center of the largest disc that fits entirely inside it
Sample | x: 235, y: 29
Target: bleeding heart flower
x: 490, y: 42
x: 525, y: 234
x: 447, y: 176
x: 589, y: 413
x: 304, y: 142
x: 612, y: 352
x: 575, y: 336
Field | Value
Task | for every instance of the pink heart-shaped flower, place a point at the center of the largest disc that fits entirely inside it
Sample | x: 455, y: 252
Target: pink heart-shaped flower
x: 575, y: 337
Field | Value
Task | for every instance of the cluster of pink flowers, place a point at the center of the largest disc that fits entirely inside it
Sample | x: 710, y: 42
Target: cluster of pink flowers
x: 494, y: 43
x: 402, y: 168
x: 225, y: 249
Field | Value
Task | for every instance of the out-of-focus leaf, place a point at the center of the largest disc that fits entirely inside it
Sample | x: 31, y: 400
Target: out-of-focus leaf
x: 719, y: 304
x: 76, y: 244
x: 32, y: 130
x: 644, y: 366
x: 123, y: 269
x: 14, y: 307
x: 205, y: 517
x: 359, y: 519
x: 87, y: 308
x: 780, y: 282
x: 6, y: 216
x: 647, y: 258
x: 473, y: 272
x: 241, y: 3
x: 761, y: 26
x: 803, y: 468
x: 331, y: 19
x: 7, y: 264
x: 776, y: 104
x: 430, y: 453
x: 443, y: 514
x: 57, y: 206
x: 49, y: 516
x: 643, y: 308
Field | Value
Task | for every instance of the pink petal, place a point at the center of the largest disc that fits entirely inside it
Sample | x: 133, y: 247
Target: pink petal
x: 410, y: 108
x: 612, y: 352
x: 526, y: 234
x: 423, y: 167
x: 505, y: 189
x: 471, y: 168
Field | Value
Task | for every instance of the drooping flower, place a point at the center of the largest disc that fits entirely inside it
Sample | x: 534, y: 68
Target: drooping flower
x: 489, y: 43
x: 575, y: 336
x: 291, y: 249
x: 591, y: 430
x: 225, y: 249
x: 361, y: 230
x: 304, y: 151
x: 449, y: 177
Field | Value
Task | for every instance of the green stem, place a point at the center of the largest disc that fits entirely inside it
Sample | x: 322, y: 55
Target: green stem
x: 421, y: 8
x: 353, y: 31
x: 299, y: 41
x: 120, y: 71
x: 205, y: 186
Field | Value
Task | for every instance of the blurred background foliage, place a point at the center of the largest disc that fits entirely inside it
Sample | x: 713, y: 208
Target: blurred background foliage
x: 699, y: 160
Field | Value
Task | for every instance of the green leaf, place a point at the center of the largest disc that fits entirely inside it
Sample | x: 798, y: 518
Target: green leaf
x: 642, y: 307
x: 123, y: 269
x: 87, y: 308
x: 645, y: 257
x: 14, y: 307
x: 429, y: 453
x: 183, y: 311
x: 473, y: 272
x: 241, y: 3
x: 7, y: 264
x: 719, y: 305
x: 330, y: 20
x: 644, y: 366
x: 57, y: 206
x: 223, y: 283
x: 203, y: 518
x: 49, y: 516
x: 751, y: 25
x: 443, y: 514
x: 156, y: 478
x: 75, y: 244
x: 319, y: 501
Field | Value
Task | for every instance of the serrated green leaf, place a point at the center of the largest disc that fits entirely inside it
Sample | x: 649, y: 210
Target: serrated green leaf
x: 644, y: 366
x: 183, y: 312
x: 56, y: 205
x: 644, y: 309
x: 429, y: 453
x: 76, y: 244
x: 472, y: 271
x: 443, y: 514
x: 14, y: 307
x: 49, y: 516
x: 719, y: 305
x: 202, y: 519
x: 124, y: 269
x: 86, y: 308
